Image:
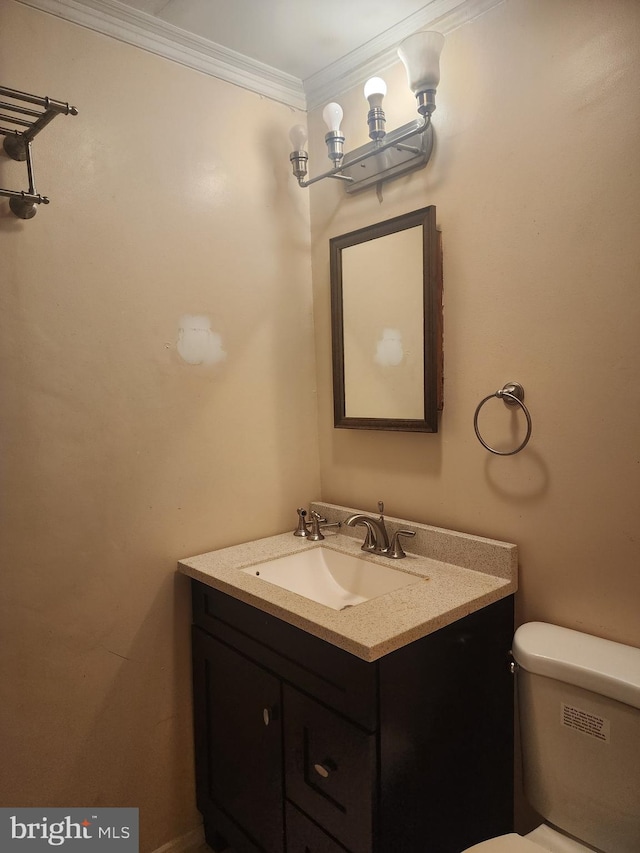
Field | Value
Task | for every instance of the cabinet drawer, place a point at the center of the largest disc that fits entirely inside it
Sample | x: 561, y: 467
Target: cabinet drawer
x: 330, y: 770
x: 332, y: 675
x: 303, y: 836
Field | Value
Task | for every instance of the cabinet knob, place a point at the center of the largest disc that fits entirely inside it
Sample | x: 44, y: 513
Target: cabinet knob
x: 325, y: 767
x: 268, y: 715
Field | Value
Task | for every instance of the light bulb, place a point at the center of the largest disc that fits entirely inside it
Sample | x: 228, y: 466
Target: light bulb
x: 332, y: 115
x: 374, y: 91
x: 298, y: 137
x: 299, y: 157
x: 420, y: 54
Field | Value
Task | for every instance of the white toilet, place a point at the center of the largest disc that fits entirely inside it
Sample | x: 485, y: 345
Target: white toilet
x: 579, y: 704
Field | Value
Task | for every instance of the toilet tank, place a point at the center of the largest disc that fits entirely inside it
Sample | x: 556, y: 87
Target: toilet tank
x: 579, y: 705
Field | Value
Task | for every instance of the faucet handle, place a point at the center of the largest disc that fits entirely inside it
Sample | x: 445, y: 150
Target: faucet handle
x: 395, y: 551
x: 317, y: 520
x: 383, y: 545
x: 315, y: 516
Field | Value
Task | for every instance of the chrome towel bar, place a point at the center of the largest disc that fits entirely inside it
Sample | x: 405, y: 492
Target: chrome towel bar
x: 24, y: 125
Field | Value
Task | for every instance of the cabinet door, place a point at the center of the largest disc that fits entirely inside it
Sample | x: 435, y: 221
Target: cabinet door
x: 446, y: 737
x: 238, y: 733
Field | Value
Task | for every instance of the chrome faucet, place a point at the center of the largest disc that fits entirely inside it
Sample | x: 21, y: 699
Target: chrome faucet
x: 376, y: 540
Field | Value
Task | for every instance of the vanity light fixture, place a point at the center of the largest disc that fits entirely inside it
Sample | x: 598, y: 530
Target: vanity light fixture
x: 388, y: 154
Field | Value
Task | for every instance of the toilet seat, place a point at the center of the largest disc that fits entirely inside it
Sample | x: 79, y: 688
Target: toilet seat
x: 544, y: 839
x: 512, y: 843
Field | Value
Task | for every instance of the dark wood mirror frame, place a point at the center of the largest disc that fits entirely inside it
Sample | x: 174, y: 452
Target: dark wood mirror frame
x: 432, y: 322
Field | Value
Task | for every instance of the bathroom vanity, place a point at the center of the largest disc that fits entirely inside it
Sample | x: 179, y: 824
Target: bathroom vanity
x: 386, y: 727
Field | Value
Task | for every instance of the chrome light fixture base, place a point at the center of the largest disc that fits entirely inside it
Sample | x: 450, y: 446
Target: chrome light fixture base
x: 403, y: 152
x: 335, y: 146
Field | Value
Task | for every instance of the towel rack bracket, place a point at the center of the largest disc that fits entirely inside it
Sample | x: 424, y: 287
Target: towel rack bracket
x: 15, y: 146
x: 511, y: 390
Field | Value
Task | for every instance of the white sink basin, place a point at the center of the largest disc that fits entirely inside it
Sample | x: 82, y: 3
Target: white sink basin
x: 330, y: 577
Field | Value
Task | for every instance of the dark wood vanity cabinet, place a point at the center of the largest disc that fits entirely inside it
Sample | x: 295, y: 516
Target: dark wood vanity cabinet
x: 304, y: 748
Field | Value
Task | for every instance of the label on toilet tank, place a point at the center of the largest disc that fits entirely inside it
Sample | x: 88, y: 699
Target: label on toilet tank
x: 585, y: 722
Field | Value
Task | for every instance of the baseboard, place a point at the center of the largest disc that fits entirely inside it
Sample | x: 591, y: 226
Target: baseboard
x: 190, y: 841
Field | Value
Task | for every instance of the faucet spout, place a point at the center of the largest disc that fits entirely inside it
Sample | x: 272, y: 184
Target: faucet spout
x: 376, y: 540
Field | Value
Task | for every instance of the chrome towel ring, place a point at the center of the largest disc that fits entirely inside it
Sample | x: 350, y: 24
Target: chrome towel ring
x: 513, y: 395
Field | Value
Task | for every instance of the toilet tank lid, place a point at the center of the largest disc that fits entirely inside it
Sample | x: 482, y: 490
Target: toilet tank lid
x: 601, y: 666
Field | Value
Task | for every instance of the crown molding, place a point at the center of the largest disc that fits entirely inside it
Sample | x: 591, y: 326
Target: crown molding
x: 115, y: 19
x: 131, y: 26
x: 380, y: 53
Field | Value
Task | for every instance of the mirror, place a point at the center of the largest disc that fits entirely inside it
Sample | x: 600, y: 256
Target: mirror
x: 386, y: 321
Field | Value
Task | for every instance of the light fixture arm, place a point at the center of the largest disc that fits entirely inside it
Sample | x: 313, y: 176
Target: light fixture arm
x: 374, y: 149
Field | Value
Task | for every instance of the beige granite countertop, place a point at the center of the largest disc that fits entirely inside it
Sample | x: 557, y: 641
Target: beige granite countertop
x: 456, y: 574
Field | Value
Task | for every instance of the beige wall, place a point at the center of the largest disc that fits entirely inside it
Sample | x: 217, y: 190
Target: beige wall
x: 170, y: 195
x: 536, y: 180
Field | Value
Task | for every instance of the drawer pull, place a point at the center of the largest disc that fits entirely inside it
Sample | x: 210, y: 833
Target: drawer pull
x: 268, y: 715
x: 324, y: 768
